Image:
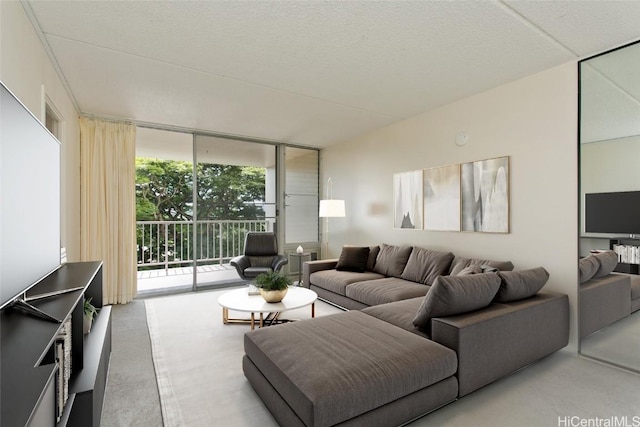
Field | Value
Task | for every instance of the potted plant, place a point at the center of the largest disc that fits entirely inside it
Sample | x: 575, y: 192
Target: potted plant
x: 90, y: 312
x: 273, y: 286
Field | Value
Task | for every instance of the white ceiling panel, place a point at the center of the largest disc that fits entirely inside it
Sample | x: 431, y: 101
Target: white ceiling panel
x: 376, y: 57
x: 122, y: 85
x: 610, y: 95
x: 622, y: 69
x: 585, y: 27
x: 312, y: 72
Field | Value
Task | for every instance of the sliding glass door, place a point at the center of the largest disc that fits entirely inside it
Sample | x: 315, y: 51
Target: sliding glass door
x: 235, y: 193
x: 164, y: 210
x: 301, y: 169
x: 198, y: 195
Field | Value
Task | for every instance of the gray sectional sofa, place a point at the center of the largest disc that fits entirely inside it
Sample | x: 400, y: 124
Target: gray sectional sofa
x: 424, y: 328
x: 605, y: 297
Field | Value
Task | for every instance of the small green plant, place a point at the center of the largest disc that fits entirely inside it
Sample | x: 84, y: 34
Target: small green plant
x: 273, y: 281
x: 89, y: 309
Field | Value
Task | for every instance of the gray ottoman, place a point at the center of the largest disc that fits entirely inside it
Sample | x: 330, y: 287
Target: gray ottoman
x: 348, y: 369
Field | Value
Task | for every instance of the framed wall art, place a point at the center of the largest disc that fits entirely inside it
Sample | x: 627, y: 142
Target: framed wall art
x: 442, y: 198
x: 485, y: 195
x: 407, y: 199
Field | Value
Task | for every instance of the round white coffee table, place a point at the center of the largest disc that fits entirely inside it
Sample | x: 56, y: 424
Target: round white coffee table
x: 240, y: 300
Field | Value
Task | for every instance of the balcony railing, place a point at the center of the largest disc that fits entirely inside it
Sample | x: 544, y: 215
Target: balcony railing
x: 169, y: 244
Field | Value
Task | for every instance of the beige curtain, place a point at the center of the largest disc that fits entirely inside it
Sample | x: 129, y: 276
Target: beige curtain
x: 108, y: 206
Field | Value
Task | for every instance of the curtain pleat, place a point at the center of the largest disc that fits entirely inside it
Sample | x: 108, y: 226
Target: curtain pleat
x: 108, y: 215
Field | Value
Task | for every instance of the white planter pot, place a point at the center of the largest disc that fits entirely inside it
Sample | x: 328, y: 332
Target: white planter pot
x: 87, y: 321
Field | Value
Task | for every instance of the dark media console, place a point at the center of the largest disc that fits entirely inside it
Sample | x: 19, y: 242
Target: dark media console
x: 28, y: 352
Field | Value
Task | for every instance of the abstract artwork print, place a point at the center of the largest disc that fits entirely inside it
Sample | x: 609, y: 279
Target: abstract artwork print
x: 407, y: 199
x: 442, y: 198
x: 485, y: 195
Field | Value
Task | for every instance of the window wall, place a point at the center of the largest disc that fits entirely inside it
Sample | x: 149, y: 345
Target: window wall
x: 198, y: 195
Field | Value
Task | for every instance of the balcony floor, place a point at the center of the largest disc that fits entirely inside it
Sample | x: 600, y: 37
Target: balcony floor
x: 180, y: 278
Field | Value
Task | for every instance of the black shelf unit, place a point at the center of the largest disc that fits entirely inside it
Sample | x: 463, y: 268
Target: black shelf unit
x: 27, y: 352
x: 626, y: 267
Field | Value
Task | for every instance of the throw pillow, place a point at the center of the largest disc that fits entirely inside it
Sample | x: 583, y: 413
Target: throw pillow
x: 521, y: 284
x: 472, y: 269
x: 588, y: 268
x: 353, y: 258
x: 373, y: 254
x: 425, y: 265
x: 460, y: 264
x: 451, y: 295
x: 392, y: 260
x: 608, y: 261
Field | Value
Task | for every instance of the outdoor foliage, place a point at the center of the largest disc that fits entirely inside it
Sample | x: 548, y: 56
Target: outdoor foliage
x: 164, y: 191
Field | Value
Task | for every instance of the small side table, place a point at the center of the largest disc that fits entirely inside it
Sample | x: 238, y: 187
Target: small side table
x: 300, y: 256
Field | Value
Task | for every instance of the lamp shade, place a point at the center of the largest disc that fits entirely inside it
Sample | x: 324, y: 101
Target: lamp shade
x: 331, y: 208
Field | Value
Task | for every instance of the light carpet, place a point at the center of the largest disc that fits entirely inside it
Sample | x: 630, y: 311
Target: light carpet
x: 198, y: 364
x: 198, y: 361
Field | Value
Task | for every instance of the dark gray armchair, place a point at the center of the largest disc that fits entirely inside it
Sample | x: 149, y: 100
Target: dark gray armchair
x: 260, y: 256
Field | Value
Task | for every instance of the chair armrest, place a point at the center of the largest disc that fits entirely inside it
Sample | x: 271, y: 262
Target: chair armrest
x: 240, y: 263
x: 278, y: 262
x: 310, y: 267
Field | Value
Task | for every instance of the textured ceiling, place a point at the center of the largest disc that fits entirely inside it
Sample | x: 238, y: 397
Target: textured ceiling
x: 312, y: 73
x: 610, y: 95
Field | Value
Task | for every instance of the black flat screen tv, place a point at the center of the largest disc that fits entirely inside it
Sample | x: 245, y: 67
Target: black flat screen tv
x: 29, y: 199
x: 613, y: 213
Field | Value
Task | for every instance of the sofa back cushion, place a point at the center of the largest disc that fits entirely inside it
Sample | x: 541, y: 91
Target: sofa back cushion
x: 472, y: 269
x: 588, y: 267
x: 425, y: 265
x: 373, y: 255
x: 521, y: 284
x: 450, y: 295
x: 460, y: 264
x: 608, y: 260
x: 392, y: 259
x: 353, y: 258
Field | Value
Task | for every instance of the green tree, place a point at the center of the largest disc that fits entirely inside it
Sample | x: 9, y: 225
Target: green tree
x: 230, y: 192
x: 164, y: 191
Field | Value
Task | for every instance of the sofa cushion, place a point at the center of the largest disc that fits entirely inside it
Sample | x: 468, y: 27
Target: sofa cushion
x: 388, y: 289
x: 373, y: 254
x: 451, y: 295
x: 399, y: 313
x: 471, y: 269
x: 353, y: 258
x: 392, y: 259
x: 459, y: 264
x: 588, y: 267
x: 608, y: 260
x: 337, y: 281
x: 319, y: 368
x: 521, y: 284
x: 425, y: 265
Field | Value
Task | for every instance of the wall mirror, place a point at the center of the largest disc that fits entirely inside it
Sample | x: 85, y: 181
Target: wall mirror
x: 609, y: 155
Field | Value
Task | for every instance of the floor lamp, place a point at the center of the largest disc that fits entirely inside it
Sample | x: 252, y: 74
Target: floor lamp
x: 330, y: 208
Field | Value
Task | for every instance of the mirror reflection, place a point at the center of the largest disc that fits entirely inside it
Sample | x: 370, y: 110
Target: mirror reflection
x: 609, y: 289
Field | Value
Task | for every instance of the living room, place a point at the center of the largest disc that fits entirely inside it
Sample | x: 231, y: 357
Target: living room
x: 532, y: 119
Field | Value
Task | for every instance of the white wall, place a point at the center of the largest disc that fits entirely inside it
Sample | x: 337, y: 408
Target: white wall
x: 611, y: 165
x: 533, y: 120
x: 25, y: 69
